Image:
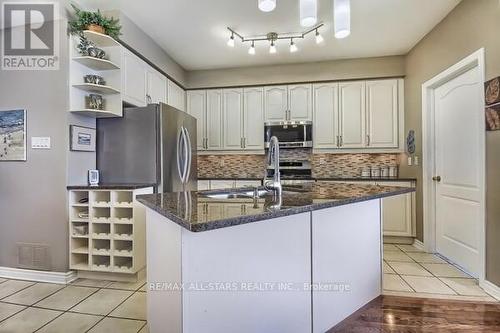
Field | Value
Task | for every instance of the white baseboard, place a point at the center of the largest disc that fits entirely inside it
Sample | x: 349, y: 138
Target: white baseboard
x: 492, y: 289
x: 418, y: 244
x: 38, y: 276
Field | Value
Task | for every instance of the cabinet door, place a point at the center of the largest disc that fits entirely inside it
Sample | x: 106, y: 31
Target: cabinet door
x: 397, y: 215
x: 352, y: 114
x: 382, y: 113
x: 133, y: 79
x: 214, y: 119
x: 326, y: 115
x: 253, y: 122
x: 275, y: 103
x: 233, y: 119
x: 156, y: 87
x: 299, y: 102
x: 197, y: 107
x: 176, y: 96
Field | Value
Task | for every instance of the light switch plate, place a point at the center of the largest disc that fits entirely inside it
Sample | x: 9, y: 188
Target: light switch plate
x: 410, y: 161
x: 40, y: 142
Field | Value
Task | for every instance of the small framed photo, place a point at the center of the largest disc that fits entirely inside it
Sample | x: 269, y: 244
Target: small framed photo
x: 82, y: 138
x: 12, y: 135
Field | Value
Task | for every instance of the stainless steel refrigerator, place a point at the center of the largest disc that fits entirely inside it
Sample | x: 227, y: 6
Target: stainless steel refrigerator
x: 153, y: 144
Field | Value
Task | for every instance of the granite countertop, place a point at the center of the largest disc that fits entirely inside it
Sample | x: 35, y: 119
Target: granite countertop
x: 111, y: 186
x: 196, y: 211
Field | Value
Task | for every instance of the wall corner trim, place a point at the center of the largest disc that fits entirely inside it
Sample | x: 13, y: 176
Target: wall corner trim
x: 490, y: 288
x: 37, y: 276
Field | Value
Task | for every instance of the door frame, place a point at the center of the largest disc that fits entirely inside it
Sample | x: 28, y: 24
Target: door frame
x: 476, y: 59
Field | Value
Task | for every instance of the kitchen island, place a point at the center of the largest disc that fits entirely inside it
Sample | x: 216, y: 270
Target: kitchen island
x: 247, y: 261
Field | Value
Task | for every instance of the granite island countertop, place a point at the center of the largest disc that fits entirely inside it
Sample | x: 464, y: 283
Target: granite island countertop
x: 202, y: 211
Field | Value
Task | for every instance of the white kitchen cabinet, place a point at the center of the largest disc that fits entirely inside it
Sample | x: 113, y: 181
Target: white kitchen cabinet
x: 176, y: 96
x: 382, y: 113
x: 233, y: 119
x: 299, y: 102
x: 326, y: 115
x: 398, y: 212
x: 276, y: 103
x: 156, y: 86
x: 214, y: 120
x: 352, y: 114
x: 134, y: 84
x: 253, y: 118
x: 197, y: 107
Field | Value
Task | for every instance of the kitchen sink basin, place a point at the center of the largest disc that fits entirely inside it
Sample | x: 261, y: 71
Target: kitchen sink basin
x: 231, y: 194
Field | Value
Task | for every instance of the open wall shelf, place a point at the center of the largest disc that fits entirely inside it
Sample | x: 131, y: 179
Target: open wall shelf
x: 111, y: 238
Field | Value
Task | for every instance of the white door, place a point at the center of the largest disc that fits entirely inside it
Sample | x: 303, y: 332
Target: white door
x: 253, y: 122
x: 157, y: 87
x: 133, y: 79
x: 276, y: 103
x: 459, y: 161
x: 197, y: 107
x: 352, y: 114
x: 233, y: 119
x: 382, y: 112
x: 214, y: 119
x: 300, y: 102
x: 326, y: 115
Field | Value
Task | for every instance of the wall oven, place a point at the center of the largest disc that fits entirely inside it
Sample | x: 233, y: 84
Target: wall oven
x: 290, y: 134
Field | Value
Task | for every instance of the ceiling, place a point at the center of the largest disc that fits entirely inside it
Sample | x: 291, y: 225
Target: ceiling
x: 193, y: 32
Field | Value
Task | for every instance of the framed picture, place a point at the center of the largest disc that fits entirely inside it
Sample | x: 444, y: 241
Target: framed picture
x: 13, y: 135
x: 82, y: 138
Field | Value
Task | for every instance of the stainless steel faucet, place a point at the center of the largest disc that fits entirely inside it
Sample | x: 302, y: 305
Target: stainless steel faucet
x: 273, y: 159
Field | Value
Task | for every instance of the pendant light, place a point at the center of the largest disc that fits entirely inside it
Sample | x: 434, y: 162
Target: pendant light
x: 342, y: 18
x: 319, y: 38
x: 272, y: 48
x: 251, y: 50
x: 267, y: 5
x: 293, y: 47
x: 230, y: 41
x: 308, y: 12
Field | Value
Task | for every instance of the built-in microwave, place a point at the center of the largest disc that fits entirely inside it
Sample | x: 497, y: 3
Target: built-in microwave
x: 290, y: 134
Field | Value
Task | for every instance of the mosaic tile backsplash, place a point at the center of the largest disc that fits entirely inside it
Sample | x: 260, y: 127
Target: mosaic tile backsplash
x: 323, y: 165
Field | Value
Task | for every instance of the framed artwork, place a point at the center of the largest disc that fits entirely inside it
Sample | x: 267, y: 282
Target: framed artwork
x: 82, y: 138
x: 13, y: 135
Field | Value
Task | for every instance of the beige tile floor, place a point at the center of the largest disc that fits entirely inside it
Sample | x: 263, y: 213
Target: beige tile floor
x: 411, y: 272
x: 82, y: 306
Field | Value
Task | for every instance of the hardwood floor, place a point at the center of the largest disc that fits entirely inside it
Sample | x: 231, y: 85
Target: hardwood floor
x: 405, y: 314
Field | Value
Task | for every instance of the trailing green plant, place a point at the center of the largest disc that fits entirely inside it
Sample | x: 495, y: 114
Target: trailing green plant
x: 83, y: 19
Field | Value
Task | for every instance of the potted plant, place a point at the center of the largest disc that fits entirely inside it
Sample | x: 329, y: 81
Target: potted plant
x: 94, y: 21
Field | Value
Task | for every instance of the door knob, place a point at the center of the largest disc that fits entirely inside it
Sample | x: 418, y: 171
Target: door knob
x: 436, y: 178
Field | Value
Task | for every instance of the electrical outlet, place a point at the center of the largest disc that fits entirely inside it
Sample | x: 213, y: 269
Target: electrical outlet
x: 415, y: 160
x: 410, y: 162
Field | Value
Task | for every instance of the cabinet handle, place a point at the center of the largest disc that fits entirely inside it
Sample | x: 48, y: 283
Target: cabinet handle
x: 368, y: 139
x: 338, y: 141
x: 206, y: 143
x: 241, y: 142
x: 341, y: 141
x: 148, y: 99
x: 244, y: 142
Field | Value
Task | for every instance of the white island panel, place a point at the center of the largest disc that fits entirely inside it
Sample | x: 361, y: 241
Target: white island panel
x: 346, y: 251
x: 272, y: 251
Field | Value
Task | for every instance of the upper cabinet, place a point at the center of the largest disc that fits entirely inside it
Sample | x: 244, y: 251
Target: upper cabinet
x: 352, y: 114
x: 253, y: 118
x: 276, y: 103
x: 326, y: 115
x: 134, y: 86
x: 214, y: 120
x: 233, y: 119
x: 299, y: 102
x: 156, y: 87
x: 382, y: 113
x: 197, y: 107
x: 176, y: 96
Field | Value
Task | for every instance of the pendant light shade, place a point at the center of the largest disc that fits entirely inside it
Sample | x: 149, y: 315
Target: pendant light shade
x: 251, y: 50
x: 272, y: 48
x: 342, y: 18
x: 267, y: 5
x: 308, y: 12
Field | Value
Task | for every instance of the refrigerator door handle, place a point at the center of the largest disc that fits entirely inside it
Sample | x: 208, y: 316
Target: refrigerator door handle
x: 180, y: 167
x: 186, y: 154
x: 190, y: 155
